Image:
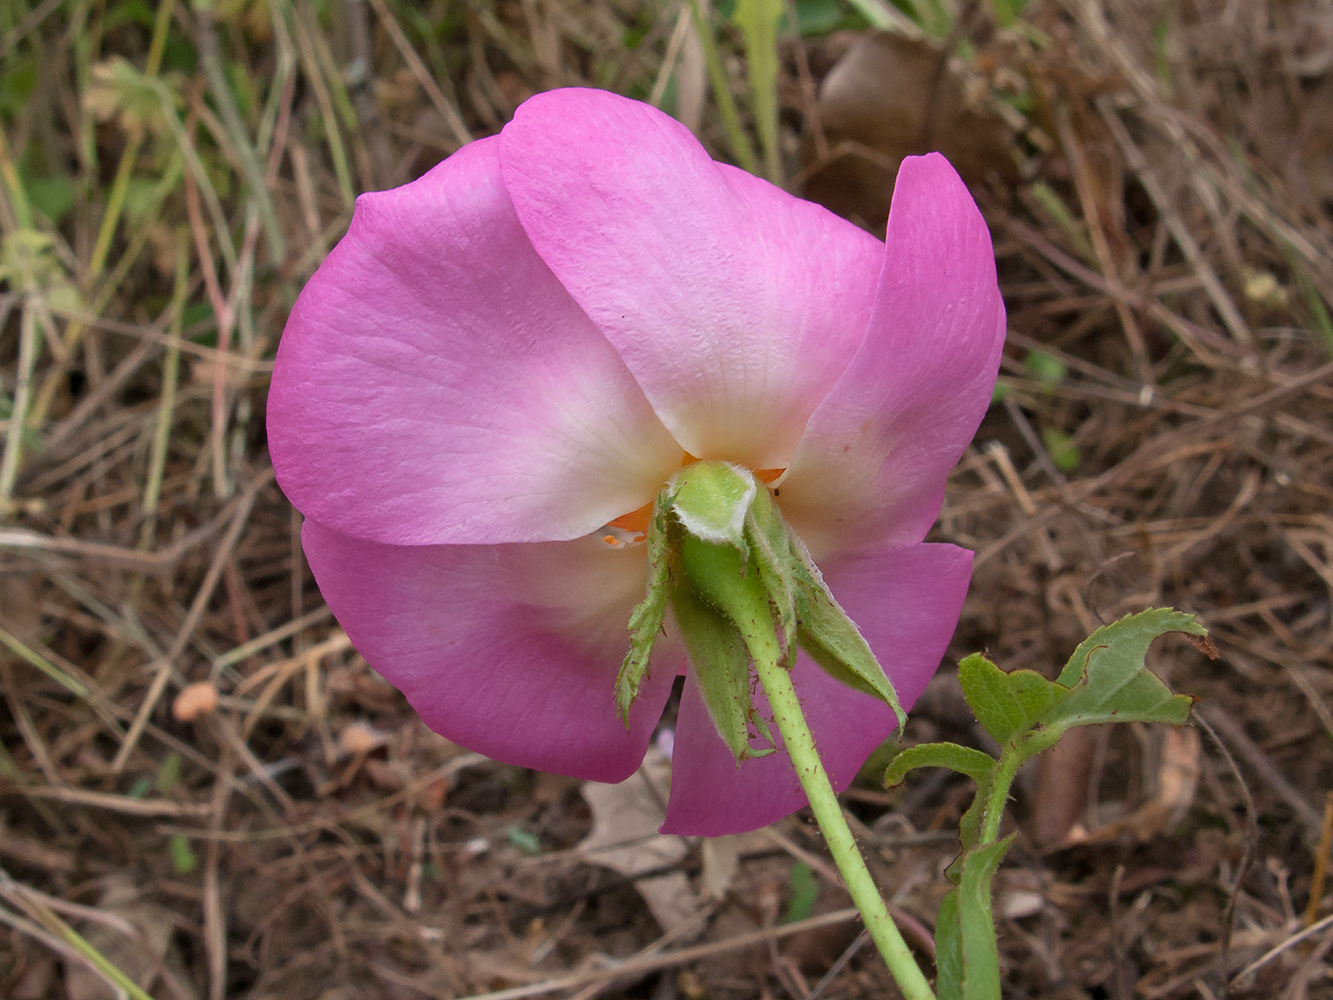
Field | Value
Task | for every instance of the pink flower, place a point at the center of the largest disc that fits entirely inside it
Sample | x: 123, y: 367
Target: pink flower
x: 503, y: 358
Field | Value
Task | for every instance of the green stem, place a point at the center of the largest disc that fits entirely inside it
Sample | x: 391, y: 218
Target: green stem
x: 800, y: 743
x: 999, y: 795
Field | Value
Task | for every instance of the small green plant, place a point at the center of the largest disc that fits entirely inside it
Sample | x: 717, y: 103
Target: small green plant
x: 1106, y: 680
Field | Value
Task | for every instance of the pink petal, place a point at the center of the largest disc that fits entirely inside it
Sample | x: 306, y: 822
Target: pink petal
x: 872, y: 465
x: 435, y: 383
x: 508, y: 650
x: 906, y: 603
x: 735, y: 305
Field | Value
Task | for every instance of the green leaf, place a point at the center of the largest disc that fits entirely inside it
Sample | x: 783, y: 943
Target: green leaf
x: 834, y: 642
x: 1109, y: 681
x: 804, y: 891
x: 711, y: 500
x: 976, y: 765
x: 1007, y: 705
x: 949, y: 949
x: 980, y: 953
x: 645, y: 622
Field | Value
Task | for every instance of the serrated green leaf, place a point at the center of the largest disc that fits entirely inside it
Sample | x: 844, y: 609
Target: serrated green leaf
x: 949, y: 949
x: 1007, y: 705
x: 980, y: 953
x: 1109, y: 680
x: 1144, y: 699
x: 1138, y: 630
x: 645, y: 621
x: 973, y: 763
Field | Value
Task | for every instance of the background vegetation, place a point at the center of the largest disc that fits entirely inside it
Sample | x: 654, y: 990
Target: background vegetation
x: 205, y: 792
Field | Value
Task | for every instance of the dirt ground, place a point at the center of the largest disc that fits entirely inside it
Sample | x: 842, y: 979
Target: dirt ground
x: 204, y: 784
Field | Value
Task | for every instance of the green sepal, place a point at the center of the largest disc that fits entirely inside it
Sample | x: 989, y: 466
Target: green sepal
x: 973, y: 763
x: 1006, y: 704
x: 779, y: 567
x: 711, y: 501
x: 833, y: 640
x: 726, y: 580
x: 721, y: 666
x: 645, y: 621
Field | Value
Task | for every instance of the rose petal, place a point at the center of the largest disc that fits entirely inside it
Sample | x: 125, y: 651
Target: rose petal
x: 436, y: 384
x: 735, y: 305
x: 872, y: 465
x: 906, y: 602
x: 508, y: 650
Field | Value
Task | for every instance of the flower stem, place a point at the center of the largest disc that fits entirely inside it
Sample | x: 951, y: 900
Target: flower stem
x: 999, y: 795
x: 814, y: 780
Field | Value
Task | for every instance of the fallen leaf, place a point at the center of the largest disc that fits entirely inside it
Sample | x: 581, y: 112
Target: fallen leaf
x: 889, y: 97
x: 624, y: 838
